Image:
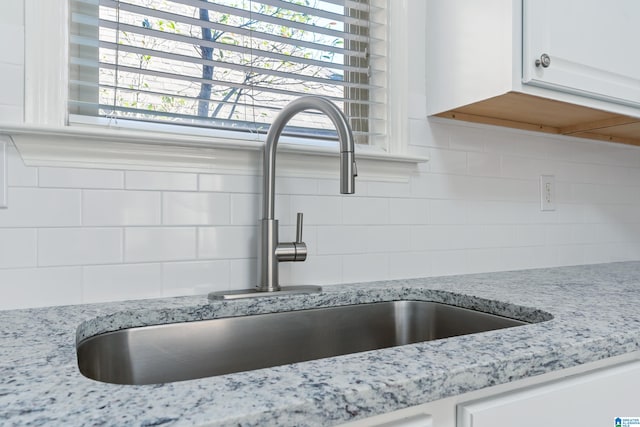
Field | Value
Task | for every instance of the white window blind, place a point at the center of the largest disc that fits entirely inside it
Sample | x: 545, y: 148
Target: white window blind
x: 229, y: 64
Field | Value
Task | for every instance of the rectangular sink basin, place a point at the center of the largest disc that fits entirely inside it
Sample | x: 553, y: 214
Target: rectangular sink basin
x: 183, y: 351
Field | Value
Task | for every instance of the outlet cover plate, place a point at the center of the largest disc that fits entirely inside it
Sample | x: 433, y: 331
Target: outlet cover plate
x: 547, y: 193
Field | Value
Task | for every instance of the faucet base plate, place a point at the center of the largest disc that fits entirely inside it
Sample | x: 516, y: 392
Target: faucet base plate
x: 255, y: 293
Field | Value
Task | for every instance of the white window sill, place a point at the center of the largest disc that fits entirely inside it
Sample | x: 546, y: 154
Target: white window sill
x: 97, y: 147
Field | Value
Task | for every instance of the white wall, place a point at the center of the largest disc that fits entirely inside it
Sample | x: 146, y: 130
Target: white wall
x: 74, y: 235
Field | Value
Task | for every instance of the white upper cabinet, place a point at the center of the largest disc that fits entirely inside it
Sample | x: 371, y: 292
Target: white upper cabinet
x: 569, y: 67
x: 588, y: 46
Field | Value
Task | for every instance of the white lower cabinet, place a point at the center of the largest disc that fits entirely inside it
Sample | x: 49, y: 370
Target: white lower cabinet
x: 421, y: 420
x: 593, y: 394
x: 590, y: 399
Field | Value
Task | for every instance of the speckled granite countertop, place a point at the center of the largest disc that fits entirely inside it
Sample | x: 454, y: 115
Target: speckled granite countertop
x: 595, y: 316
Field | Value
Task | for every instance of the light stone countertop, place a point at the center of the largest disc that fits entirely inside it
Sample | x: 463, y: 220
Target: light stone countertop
x: 594, y: 312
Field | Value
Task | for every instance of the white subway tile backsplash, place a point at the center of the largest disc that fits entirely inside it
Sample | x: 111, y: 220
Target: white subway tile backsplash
x: 79, y: 246
x: 625, y: 252
x: 498, y: 212
x: 614, y: 233
x: 39, y: 207
x: 484, y: 260
x: 388, y: 189
x: 18, y: 248
x: 525, y: 167
x: 584, y: 233
x: 170, y: 181
x: 420, y: 135
x: 488, y: 188
x: 483, y: 164
x: 80, y: 178
x: 442, y: 237
x: 342, y: 239
x: 246, y: 209
x: 589, y: 193
x: 230, y: 183
x: 618, y: 213
x: 448, y: 211
x: 243, y: 273
x: 19, y: 175
x: 41, y: 287
x: 317, y: 210
x: 559, y: 234
x: 194, y: 277
x: 568, y: 213
x: 365, y: 267
x: 365, y: 210
x: 195, y: 209
x: 121, y: 282
x: 283, y: 210
x: 448, y: 161
x: 408, y: 211
x: 316, y: 270
x: 491, y: 236
x: 331, y: 187
x: 530, y: 235
x: 564, y: 149
x: 589, y: 151
x: 529, y: 257
x: 387, y: 238
x: 417, y: 103
x: 438, y: 224
x: 446, y: 263
x: 227, y: 242
x: 288, y: 185
x: 597, y: 253
x: 438, y: 186
x: 120, y: 208
x: 510, y: 141
x: 407, y: 265
x: 150, y: 244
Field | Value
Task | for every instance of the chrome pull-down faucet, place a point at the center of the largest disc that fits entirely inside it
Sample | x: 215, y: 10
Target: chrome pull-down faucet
x: 270, y: 250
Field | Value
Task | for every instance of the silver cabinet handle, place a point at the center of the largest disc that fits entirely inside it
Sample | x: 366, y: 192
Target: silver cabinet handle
x: 544, y: 61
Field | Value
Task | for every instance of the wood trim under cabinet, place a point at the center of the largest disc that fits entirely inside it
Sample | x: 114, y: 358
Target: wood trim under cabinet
x: 533, y: 113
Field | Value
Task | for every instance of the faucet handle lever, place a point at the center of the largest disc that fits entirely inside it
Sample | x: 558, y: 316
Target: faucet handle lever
x: 299, y: 228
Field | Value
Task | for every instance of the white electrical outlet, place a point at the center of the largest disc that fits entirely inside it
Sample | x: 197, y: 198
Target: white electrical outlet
x: 3, y: 174
x: 547, y: 193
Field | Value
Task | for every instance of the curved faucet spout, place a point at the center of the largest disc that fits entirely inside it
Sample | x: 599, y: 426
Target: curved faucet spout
x: 348, y: 170
x: 271, y: 251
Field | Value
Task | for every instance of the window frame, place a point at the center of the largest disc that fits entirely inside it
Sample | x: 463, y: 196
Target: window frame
x: 47, y: 139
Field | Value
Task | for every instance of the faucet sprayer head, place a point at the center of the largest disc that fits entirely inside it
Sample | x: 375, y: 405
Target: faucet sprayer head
x: 348, y: 172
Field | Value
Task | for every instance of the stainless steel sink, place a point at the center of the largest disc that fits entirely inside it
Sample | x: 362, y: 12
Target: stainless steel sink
x: 183, y: 351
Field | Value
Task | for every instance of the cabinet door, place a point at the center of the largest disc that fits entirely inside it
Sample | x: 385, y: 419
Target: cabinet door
x: 592, y: 399
x: 592, y: 46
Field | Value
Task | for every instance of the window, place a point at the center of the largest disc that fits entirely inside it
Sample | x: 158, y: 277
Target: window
x: 230, y: 65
